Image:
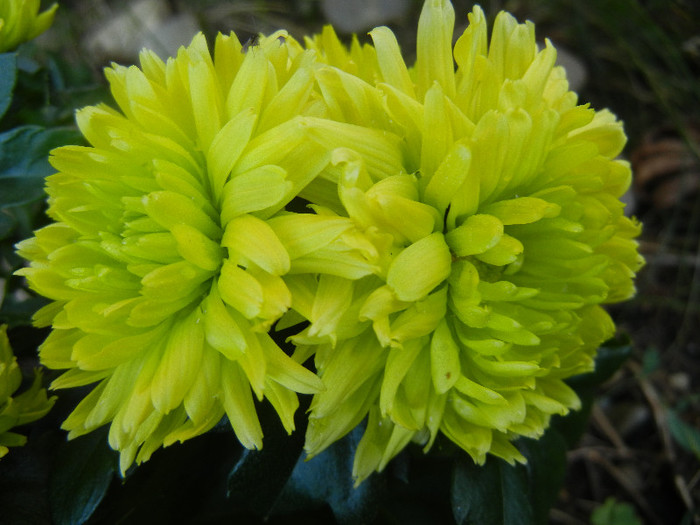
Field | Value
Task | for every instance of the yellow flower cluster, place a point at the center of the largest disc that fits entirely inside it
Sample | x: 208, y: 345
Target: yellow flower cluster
x: 463, y: 230
x: 30, y: 405
x: 20, y: 21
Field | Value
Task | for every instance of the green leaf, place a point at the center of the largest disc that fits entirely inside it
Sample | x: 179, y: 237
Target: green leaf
x: 8, y: 78
x: 327, y: 480
x: 546, y: 469
x: 80, y: 478
x: 258, y: 477
x: 418, y: 487
x: 183, y: 483
x: 493, y: 494
x: 613, y: 512
x: 685, y: 435
x: 24, y: 160
x: 24, y: 163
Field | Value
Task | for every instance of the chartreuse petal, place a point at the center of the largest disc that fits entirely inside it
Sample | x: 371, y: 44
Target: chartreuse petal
x: 180, y: 363
x: 251, y: 239
x: 397, y: 365
x: 239, y: 406
x: 444, y: 358
x: 304, y: 234
x: 239, y: 289
x: 476, y: 235
x: 254, y: 190
x: 449, y: 178
x: 434, y: 62
x: 418, y: 269
x: 391, y: 64
x: 381, y: 441
x: 220, y: 329
x: 226, y: 147
x: 196, y: 247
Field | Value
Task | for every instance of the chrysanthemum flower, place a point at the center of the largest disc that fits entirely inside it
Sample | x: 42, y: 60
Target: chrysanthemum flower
x: 28, y: 406
x: 20, y: 21
x: 164, y: 271
x: 486, y: 201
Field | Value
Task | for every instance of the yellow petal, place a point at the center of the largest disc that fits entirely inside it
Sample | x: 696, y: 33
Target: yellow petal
x: 418, y: 269
x: 179, y: 364
x: 240, y: 409
x: 240, y: 289
x: 444, y: 358
x: 254, y: 240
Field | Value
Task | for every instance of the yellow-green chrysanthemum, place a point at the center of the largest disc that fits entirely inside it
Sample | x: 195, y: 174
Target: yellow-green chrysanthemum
x: 22, y: 409
x: 20, y: 21
x: 486, y: 200
x: 164, y: 272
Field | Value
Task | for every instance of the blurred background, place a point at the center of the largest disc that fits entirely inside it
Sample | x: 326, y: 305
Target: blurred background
x: 640, y: 456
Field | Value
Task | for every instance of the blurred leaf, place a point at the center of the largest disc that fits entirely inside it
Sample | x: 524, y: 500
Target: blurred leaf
x: 17, y: 310
x: 327, y: 480
x: 685, y: 435
x: 493, y: 494
x: 688, y: 518
x: 8, y: 78
x: 81, y: 475
x: 613, y: 512
x: 651, y: 361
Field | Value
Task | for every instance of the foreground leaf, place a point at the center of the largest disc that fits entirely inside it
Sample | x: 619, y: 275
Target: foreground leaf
x: 258, y: 477
x: 493, y: 494
x: 327, y: 480
x: 24, y: 163
x: 546, y: 468
x: 82, y: 474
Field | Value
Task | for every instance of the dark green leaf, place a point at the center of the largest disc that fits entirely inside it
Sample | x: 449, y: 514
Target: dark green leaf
x: 259, y: 476
x: 418, y: 488
x: 546, y: 469
x: 173, y: 486
x: 24, y: 160
x: 80, y: 478
x: 493, y: 494
x: 8, y: 78
x: 24, y: 163
x: 327, y: 480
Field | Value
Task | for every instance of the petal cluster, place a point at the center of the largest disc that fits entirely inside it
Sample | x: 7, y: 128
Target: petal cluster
x: 20, y: 21
x: 464, y: 229
x: 491, y: 200
x: 30, y: 405
x: 164, y: 271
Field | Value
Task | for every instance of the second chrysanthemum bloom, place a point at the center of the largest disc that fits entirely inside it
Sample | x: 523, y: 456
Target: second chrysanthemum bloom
x: 164, y: 273
x: 496, y: 237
